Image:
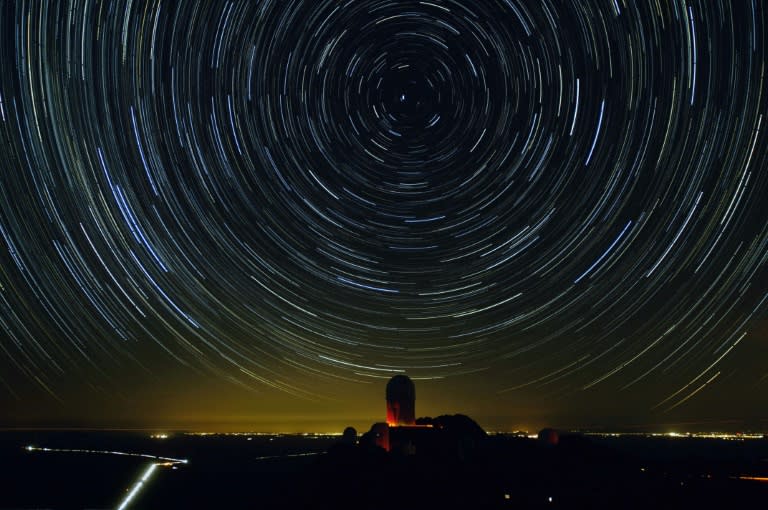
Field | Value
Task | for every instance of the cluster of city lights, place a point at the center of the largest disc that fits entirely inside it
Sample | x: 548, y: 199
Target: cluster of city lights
x: 729, y: 436
x: 313, y: 435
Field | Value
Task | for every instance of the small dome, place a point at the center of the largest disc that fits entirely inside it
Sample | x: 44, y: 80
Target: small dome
x: 549, y: 437
x: 349, y: 436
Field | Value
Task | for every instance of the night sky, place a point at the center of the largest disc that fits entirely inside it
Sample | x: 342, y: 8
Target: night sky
x: 250, y: 214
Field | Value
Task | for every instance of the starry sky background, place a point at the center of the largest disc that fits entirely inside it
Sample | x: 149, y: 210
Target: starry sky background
x: 250, y: 214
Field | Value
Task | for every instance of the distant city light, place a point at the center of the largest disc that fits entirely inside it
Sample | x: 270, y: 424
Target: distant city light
x: 730, y: 436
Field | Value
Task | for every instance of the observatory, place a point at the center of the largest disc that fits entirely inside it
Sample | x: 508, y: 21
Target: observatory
x: 401, y: 401
x: 400, y: 433
x: 434, y: 438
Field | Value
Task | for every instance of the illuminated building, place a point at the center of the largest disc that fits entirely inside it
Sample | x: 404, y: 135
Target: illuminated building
x: 400, y: 433
x: 401, y: 401
x: 443, y: 437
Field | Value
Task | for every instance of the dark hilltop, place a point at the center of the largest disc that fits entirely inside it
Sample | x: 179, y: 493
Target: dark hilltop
x: 451, y: 462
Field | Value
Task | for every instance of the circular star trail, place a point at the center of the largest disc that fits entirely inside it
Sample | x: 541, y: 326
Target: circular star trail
x: 560, y: 195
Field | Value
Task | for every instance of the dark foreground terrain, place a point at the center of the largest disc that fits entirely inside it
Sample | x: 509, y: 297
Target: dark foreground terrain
x: 296, y: 472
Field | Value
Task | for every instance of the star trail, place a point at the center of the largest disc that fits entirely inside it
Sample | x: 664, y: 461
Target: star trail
x: 530, y: 200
